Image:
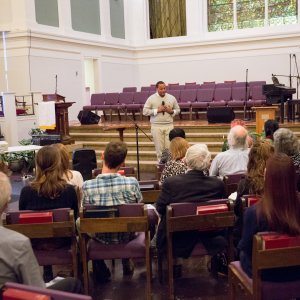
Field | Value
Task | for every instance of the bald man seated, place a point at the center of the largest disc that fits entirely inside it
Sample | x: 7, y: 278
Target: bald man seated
x: 234, y: 160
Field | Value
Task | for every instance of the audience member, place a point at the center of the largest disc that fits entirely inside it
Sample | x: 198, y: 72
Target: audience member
x: 72, y: 177
x: 111, y: 189
x: 193, y: 186
x: 250, y: 137
x: 166, y: 154
x: 176, y: 165
x: 253, y: 183
x: 285, y: 141
x: 234, y: 160
x: 278, y: 211
x: 49, y: 190
x: 270, y: 127
x: 17, y: 260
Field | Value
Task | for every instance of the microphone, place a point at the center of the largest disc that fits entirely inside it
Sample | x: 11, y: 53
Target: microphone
x: 163, y: 103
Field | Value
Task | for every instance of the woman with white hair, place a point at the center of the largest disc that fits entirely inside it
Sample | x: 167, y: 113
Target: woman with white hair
x: 193, y: 186
x: 286, y: 141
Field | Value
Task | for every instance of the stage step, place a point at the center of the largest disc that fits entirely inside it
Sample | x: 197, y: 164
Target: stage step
x: 196, y: 137
x: 144, y: 146
x: 97, y: 136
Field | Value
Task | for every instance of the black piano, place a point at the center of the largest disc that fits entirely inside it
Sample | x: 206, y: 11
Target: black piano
x: 278, y: 93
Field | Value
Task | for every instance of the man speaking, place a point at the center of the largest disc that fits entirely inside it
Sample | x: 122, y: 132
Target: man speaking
x: 162, y: 108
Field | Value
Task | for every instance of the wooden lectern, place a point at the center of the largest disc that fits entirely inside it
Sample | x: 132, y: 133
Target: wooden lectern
x: 61, y: 116
x: 264, y: 113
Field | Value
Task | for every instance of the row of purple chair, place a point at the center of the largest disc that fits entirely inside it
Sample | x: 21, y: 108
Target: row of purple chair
x: 194, y: 86
x: 124, y: 102
x: 235, y: 96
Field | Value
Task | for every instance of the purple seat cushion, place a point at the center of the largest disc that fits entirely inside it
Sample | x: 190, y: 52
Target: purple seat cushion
x: 282, y: 290
x: 235, y: 103
x: 133, y: 106
x: 200, y: 104
x: 252, y: 103
x: 133, y: 249
x: 184, y: 104
x: 219, y: 103
x: 102, y: 107
x: 89, y: 107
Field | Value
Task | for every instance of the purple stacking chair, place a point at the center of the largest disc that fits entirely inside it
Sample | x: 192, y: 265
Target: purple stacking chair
x: 239, y: 84
x: 221, y: 97
x: 97, y: 103
x: 191, y: 86
x: 152, y: 88
x: 145, y: 88
x: 177, y: 87
x: 112, y: 99
x: 129, y: 89
x: 223, y: 85
x: 126, y: 102
x: 256, y: 83
x: 182, y: 217
x: 176, y: 94
x: 204, y: 97
x: 231, y: 182
x: 53, y: 294
x: 208, y: 85
x: 255, y: 287
x: 187, y: 97
x: 132, y: 218
x: 190, y: 83
x: 172, y: 84
x: 257, y: 98
x: 63, y: 226
x: 238, y: 97
x: 139, y: 99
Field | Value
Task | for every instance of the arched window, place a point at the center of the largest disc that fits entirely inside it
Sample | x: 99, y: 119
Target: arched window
x: 167, y: 18
x: 239, y: 14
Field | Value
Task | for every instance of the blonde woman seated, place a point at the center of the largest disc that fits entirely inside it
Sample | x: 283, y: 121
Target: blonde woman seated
x: 176, y: 165
x: 72, y: 177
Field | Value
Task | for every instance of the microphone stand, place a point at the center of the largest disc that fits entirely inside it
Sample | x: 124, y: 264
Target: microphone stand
x: 246, y: 95
x: 290, y: 70
x: 296, y: 64
x: 137, y: 128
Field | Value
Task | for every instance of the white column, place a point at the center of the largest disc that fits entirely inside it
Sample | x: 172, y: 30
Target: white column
x: 105, y: 19
x: 194, y: 17
x: 9, y: 124
x: 136, y: 22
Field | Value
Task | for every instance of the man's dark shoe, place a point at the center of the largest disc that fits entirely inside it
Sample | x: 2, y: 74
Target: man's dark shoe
x: 48, y: 273
x: 218, y: 265
x: 128, y: 267
x: 177, y: 271
x: 101, y: 272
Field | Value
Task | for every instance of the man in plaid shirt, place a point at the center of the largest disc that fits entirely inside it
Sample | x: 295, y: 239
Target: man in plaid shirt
x: 112, y: 189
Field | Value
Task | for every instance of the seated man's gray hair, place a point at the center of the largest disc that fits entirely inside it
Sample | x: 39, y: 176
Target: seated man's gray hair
x: 237, y: 137
x: 5, y: 188
x: 198, y: 157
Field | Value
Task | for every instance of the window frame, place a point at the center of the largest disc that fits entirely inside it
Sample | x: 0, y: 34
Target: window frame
x: 235, y: 25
